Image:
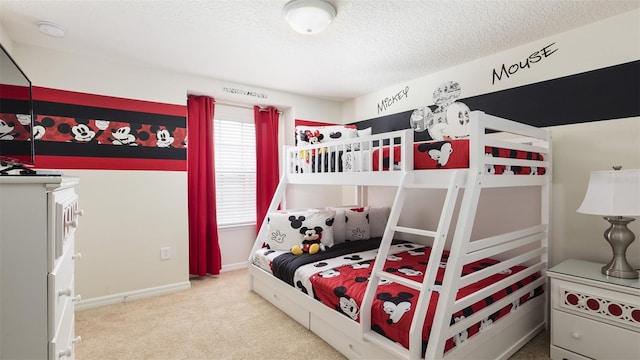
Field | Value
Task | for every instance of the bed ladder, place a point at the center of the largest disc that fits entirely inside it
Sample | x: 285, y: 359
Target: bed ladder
x: 456, y: 181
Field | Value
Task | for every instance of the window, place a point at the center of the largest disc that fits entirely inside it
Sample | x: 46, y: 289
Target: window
x: 235, y: 162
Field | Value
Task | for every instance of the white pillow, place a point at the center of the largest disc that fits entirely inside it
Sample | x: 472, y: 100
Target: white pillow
x: 378, y: 217
x: 286, y: 228
x: 357, y: 224
x: 364, y: 132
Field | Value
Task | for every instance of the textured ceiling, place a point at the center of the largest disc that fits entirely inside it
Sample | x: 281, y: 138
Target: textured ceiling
x: 372, y: 44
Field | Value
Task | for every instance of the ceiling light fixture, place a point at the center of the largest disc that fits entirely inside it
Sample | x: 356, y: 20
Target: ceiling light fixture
x: 308, y: 16
x: 51, y: 29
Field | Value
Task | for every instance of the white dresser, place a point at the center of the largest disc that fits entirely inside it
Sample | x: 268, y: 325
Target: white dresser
x: 38, y: 217
x: 593, y: 316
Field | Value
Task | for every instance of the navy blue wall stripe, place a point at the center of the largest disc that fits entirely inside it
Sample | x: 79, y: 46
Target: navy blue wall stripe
x: 602, y: 94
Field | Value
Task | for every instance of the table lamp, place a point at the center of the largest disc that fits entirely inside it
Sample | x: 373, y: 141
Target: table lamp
x: 615, y: 195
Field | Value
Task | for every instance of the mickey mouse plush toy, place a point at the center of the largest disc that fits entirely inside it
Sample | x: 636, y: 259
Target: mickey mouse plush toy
x: 311, y: 241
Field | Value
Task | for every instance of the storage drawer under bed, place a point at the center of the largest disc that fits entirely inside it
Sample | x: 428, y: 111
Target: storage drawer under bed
x: 349, y: 342
x: 282, y: 302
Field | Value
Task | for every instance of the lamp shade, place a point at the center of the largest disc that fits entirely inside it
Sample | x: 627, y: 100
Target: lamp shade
x: 612, y: 193
x: 308, y: 16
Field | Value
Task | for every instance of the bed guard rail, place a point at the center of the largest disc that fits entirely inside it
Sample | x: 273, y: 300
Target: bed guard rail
x: 350, y: 160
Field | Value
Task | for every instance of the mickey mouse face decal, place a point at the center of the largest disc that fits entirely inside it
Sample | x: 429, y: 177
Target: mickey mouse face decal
x: 123, y: 136
x: 164, y: 138
x: 83, y: 133
x: 5, y: 130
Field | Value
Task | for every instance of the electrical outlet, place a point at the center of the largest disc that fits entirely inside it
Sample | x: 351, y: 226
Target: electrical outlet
x: 165, y: 253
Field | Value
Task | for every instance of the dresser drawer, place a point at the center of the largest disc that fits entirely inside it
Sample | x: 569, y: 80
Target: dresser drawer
x: 592, y: 338
x: 60, y: 289
x: 61, y: 346
x: 66, y: 220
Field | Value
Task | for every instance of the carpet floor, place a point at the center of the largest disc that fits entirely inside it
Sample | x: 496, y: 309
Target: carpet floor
x: 218, y: 318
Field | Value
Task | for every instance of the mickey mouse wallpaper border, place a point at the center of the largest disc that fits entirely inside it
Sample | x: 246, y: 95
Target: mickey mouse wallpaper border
x: 84, y: 131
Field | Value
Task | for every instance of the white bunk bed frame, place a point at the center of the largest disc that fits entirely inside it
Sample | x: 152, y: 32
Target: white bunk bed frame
x: 500, y: 340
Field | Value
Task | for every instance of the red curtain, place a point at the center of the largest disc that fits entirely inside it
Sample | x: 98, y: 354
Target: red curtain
x: 267, y: 171
x: 204, y: 249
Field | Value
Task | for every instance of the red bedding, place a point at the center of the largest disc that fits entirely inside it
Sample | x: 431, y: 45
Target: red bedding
x: 394, y: 304
x: 454, y: 154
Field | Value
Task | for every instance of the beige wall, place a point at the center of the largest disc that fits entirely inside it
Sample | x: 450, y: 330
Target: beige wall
x: 580, y: 149
x: 130, y: 215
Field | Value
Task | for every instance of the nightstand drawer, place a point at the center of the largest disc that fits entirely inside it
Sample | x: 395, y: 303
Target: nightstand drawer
x: 613, y: 307
x: 592, y: 338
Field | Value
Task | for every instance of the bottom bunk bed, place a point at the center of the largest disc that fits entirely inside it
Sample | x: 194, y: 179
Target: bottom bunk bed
x: 324, y: 293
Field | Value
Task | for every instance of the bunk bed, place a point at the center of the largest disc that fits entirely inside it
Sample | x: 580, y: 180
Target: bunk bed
x: 469, y: 297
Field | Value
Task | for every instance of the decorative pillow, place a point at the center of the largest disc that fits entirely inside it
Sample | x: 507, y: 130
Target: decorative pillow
x: 283, y: 229
x: 357, y: 224
x: 378, y: 217
x: 287, y: 228
x: 309, y: 135
x: 364, y: 132
x: 361, y: 133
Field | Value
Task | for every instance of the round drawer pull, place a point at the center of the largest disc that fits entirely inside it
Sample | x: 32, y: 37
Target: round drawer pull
x: 72, y: 223
x: 76, y: 256
x: 575, y: 335
x: 76, y: 298
x: 65, y: 292
x: 77, y: 339
x: 80, y: 212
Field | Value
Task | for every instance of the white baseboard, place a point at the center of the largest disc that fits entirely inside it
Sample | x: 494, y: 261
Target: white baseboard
x: 131, y: 295
x: 236, y: 266
x: 145, y: 293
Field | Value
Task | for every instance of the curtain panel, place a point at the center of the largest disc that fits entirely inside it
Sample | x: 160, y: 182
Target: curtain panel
x: 267, y: 164
x: 204, y: 248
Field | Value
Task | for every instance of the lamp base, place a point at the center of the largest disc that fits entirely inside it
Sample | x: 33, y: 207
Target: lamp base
x: 619, y: 237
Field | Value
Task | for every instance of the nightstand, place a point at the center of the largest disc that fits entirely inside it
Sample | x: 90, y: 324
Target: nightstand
x: 593, y: 316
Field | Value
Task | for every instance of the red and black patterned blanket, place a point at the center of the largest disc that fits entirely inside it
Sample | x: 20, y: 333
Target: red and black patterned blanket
x: 343, y: 288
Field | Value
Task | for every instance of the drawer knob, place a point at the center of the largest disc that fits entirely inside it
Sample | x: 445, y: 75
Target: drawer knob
x: 575, y: 335
x: 76, y: 256
x: 65, y: 292
x: 72, y: 223
x: 76, y: 298
x: 64, y: 353
x: 80, y: 212
x: 77, y: 339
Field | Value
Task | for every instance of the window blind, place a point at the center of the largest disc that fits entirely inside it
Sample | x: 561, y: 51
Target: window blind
x: 235, y: 165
